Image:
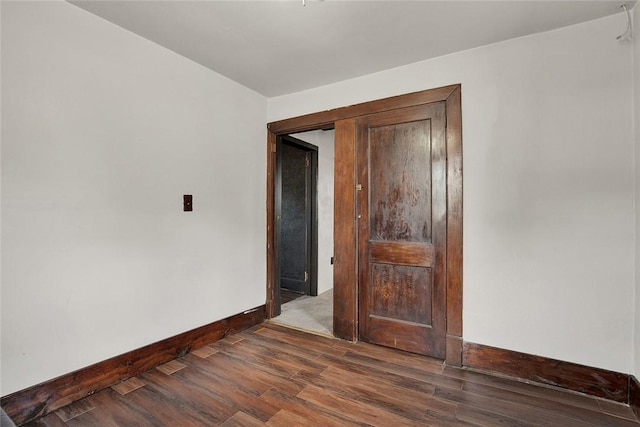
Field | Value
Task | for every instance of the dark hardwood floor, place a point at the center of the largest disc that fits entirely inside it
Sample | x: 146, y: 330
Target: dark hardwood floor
x: 274, y: 376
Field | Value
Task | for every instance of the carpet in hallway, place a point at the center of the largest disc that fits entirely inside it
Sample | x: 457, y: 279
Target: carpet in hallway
x: 309, y: 313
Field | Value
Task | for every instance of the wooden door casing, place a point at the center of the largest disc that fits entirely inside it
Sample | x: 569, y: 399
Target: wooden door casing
x: 401, y: 162
x: 345, y: 233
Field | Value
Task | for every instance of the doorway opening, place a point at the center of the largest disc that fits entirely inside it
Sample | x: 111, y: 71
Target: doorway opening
x: 304, y: 230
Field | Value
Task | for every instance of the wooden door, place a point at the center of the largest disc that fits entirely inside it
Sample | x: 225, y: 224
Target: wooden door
x: 402, y: 214
x: 297, y: 217
x: 295, y: 222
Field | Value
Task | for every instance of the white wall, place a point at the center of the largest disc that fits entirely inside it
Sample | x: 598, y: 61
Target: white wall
x: 548, y: 186
x: 636, y: 75
x: 324, y: 140
x: 102, y: 134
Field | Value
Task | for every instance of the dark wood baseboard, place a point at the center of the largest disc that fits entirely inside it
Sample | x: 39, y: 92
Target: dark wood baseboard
x: 634, y: 395
x: 584, y: 379
x: 28, y: 404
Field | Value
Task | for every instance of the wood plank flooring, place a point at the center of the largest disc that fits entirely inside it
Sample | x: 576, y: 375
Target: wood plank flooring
x: 274, y: 376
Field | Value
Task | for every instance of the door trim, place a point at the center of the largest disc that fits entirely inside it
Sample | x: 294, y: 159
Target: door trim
x: 345, y: 243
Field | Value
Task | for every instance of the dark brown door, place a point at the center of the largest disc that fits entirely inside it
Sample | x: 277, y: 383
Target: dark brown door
x: 295, y: 221
x: 297, y: 218
x: 401, y: 166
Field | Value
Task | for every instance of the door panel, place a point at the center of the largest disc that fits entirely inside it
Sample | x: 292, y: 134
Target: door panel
x: 401, y: 164
x: 400, y: 205
x: 400, y: 292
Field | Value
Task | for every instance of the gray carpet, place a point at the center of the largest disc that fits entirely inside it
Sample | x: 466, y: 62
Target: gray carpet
x: 313, y: 314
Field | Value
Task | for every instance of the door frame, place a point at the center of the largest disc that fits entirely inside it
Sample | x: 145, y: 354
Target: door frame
x: 345, y: 315
x: 311, y: 207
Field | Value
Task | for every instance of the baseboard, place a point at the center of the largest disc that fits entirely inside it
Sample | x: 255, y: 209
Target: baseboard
x: 593, y: 381
x: 634, y: 395
x: 28, y: 404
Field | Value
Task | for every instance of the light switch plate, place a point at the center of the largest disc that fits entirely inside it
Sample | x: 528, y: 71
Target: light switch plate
x: 187, y: 200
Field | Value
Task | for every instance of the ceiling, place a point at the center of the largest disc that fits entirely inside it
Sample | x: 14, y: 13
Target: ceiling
x: 280, y: 47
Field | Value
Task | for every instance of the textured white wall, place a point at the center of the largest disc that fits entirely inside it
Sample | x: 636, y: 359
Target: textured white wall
x: 324, y: 140
x: 636, y: 75
x: 102, y: 134
x: 548, y: 186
